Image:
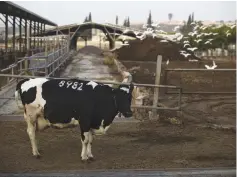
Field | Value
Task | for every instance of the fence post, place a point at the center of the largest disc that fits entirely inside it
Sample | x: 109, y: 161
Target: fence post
x: 157, y: 82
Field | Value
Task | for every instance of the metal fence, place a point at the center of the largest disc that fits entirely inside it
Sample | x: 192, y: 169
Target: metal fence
x: 45, y: 63
x: 202, y: 81
x: 178, y: 108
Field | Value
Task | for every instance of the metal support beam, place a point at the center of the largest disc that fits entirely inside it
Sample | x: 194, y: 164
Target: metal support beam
x: 8, y: 19
x: 2, y: 20
x: 6, y: 33
x: 59, y: 31
x: 38, y: 32
x: 14, y: 34
x: 30, y: 33
x: 34, y: 32
x: 44, y: 32
x: 75, y: 32
x: 18, y: 21
x: 12, y: 20
x: 208, y: 70
x: 99, y: 81
x: 25, y: 35
x: 41, y: 32
x: 20, y: 31
x: 110, y: 38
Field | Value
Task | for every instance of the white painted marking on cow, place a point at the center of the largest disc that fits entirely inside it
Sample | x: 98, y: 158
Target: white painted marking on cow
x: 80, y: 86
x: 84, y: 146
x: 61, y: 83
x: 32, y: 83
x: 69, y: 83
x: 74, y: 86
x: 124, y: 89
x: 92, y: 83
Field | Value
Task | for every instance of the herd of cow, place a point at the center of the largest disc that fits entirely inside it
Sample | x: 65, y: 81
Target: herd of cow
x: 65, y: 103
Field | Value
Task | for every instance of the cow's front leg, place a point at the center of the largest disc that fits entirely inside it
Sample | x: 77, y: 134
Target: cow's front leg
x: 89, y: 145
x: 31, y: 128
x: 84, y: 141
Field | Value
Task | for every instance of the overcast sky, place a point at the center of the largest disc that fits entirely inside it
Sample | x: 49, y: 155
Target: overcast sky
x: 66, y: 12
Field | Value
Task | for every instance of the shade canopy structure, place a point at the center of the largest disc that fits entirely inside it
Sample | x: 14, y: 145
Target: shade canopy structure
x: 10, y: 8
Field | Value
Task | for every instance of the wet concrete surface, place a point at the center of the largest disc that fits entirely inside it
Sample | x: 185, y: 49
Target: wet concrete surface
x: 89, y: 66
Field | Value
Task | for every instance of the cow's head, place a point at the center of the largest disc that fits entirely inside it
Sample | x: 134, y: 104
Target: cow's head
x: 123, y: 99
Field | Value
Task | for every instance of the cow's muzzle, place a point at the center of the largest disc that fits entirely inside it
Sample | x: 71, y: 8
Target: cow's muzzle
x: 127, y: 114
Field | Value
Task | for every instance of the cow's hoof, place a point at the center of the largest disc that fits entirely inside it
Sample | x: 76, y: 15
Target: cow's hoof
x: 91, y: 159
x: 84, y: 160
x: 37, y: 156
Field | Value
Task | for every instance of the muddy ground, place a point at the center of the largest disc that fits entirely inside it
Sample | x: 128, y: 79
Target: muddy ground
x: 197, y: 108
x: 147, y: 145
x: 144, y: 72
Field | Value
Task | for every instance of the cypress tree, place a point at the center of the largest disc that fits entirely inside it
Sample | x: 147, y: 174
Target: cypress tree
x: 116, y: 21
x: 125, y: 22
x: 89, y: 17
x: 128, y: 22
x: 189, y: 20
x: 149, y: 20
x: 192, y: 17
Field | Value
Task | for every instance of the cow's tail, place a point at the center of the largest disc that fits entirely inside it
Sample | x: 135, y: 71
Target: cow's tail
x: 18, y: 99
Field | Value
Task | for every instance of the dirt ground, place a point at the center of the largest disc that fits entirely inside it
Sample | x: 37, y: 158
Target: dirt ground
x: 204, y: 109
x: 144, y: 72
x: 143, y: 145
x: 147, y: 145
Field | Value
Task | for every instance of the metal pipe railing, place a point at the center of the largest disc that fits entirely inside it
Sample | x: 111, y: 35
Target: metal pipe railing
x: 98, y: 81
x: 179, y: 69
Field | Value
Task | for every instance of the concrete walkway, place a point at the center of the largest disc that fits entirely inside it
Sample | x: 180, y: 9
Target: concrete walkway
x: 90, y: 66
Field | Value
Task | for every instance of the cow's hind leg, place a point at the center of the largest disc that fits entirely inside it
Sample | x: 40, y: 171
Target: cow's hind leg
x: 85, y: 136
x: 31, y: 128
x: 84, y: 141
x: 89, y: 146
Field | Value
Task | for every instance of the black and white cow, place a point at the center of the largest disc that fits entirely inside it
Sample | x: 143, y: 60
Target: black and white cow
x: 62, y: 103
